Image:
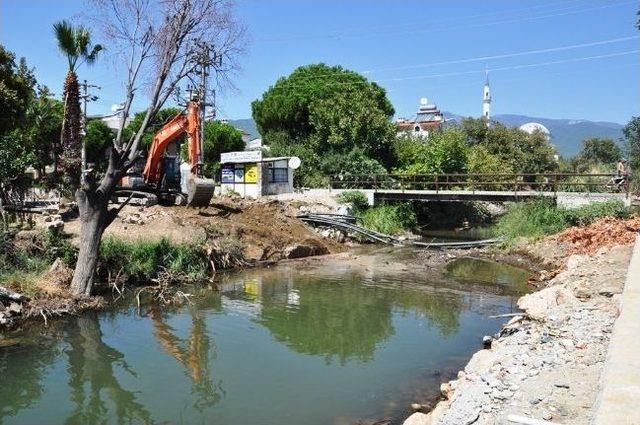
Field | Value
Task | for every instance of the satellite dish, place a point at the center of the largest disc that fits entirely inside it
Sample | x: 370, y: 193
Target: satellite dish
x: 294, y: 162
x: 424, y: 101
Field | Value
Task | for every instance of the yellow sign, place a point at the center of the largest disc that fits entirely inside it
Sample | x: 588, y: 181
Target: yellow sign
x: 251, y: 173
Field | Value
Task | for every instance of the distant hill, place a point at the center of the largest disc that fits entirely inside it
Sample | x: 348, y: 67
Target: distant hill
x: 566, y: 135
x: 248, y: 125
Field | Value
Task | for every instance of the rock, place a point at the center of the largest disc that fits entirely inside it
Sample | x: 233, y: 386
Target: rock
x: 446, y: 390
x: 307, y: 249
x: 539, y: 305
x: 416, y: 407
x: 14, y: 308
x: 576, y: 261
x: 486, y: 341
x: 417, y: 418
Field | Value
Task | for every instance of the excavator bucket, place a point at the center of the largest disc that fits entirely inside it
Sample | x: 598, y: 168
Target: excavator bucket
x: 200, y: 191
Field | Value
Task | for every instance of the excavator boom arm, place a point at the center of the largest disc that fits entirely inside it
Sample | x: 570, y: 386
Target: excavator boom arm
x: 188, y: 123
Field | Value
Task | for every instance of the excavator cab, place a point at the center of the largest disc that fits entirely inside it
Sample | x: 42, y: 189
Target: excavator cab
x: 194, y: 189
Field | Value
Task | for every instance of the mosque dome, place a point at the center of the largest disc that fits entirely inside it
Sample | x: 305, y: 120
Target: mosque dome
x: 530, y: 127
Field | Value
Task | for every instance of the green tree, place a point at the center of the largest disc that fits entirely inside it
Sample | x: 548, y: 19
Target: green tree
x: 42, y: 129
x: 518, y: 151
x: 97, y: 140
x: 631, y: 133
x: 596, y: 151
x: 535, y: 153
x: 15, y: 156
x: 219, y: 137
x: 443, y: 152
x: 75, y: 44
x: 481, y: 161
x: 17, y: 85
x: 320, y: 110
x: 163, y: 116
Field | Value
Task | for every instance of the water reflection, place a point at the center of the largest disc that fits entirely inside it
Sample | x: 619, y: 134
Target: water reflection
x: 339, y: 316
x: 340, y: 340
x: 95, y: 392
x: 196, y: 354
x: 26, y: 363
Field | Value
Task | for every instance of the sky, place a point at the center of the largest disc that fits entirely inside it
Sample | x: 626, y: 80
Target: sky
x: 573, y: 59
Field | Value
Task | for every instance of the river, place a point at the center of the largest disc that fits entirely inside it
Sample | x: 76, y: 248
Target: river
x: 332, y: 342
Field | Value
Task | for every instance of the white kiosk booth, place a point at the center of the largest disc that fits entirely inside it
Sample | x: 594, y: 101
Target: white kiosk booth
x: 250, y: 175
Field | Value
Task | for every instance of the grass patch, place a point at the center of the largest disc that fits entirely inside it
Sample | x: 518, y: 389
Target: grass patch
x: 143, y: 260
x: 354, y: 197
x: 534, y: 219
x: 391, y: 219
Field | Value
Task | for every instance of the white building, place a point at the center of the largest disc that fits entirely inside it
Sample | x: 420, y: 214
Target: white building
x: 427, y: 119
x: 250, y: 175
x: 486, y: 99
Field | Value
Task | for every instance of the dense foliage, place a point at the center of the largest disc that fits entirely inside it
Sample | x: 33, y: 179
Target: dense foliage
x: 332, y: 118
x: 632, y: 142
x: 97, y: 140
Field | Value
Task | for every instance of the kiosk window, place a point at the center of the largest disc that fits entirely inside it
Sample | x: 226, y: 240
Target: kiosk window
x: 278, y: 175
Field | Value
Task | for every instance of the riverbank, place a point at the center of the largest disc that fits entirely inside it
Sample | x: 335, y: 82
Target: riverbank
x: 156, y: 246
x: 546, y: 363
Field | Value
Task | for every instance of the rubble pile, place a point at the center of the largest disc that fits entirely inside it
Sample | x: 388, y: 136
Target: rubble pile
x: 604, y: 232
x: 544, y: 366
x: 11, y: 306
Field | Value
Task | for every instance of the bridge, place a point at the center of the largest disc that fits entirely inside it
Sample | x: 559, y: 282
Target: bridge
x: 569, y: 189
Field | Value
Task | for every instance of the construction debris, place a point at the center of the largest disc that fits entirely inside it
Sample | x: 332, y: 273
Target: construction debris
x: 605, y: 232
x: 545, y: 366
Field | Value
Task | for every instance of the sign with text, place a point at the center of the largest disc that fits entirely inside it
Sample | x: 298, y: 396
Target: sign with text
x: 239, y: 175
x: 227, y: 174
x: 240, y: 157
x: 251, y: 173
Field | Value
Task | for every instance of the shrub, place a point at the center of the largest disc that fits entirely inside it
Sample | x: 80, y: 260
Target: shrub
x: 354, y: 197
x: 531, y: 219
x: 390, y: 219
x: 534, y: 219
x: 589, y: 213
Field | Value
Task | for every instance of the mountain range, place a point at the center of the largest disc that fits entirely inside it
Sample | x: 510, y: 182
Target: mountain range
x: 566, y: 135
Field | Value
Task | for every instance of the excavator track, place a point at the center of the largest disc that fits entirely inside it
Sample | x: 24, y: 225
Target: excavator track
x: 200, y: 191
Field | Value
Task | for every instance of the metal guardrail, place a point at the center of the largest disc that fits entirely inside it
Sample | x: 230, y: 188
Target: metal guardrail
x: 507, y: 182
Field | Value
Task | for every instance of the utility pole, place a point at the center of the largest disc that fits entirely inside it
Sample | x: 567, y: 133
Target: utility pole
x: 205, y: 60
x: 86, y: 97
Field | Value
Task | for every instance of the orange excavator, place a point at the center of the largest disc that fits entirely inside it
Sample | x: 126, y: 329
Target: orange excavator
x: 161, y: 176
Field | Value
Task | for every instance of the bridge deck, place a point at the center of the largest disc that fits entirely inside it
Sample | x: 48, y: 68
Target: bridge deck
x: 456, y: 195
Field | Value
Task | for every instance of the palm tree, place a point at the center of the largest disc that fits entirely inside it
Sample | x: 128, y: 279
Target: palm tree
x: 75, y: 44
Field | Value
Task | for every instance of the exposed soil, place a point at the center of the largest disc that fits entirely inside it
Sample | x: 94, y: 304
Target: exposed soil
x: 265, y: 227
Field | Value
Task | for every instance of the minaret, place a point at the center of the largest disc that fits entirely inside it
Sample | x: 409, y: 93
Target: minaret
x: 486, y: 99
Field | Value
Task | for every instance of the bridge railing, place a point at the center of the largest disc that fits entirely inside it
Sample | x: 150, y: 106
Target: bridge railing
x: 506, y: 182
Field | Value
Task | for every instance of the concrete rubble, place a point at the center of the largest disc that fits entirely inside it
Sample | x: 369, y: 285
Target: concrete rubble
x: 544, y: 366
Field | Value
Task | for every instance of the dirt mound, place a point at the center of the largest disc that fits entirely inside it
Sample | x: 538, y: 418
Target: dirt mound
x: 266, y: 228
x: 605, y: 232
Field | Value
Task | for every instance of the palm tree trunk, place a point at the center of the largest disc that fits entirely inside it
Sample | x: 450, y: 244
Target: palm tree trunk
x: 70, y: 135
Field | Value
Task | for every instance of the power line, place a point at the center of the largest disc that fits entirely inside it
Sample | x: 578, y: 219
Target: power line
x: 372, y: 32
x: 508, y: 68
x: 290, y: 85
x: 507, y: 55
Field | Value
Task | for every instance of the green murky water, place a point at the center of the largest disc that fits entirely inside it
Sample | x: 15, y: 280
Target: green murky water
x: 330, y: 344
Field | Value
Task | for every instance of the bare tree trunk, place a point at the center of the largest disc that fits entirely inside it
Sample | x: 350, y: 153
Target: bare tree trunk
x: 93, y: 217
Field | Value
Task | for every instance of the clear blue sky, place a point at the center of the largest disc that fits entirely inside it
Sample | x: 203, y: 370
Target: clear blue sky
x: 414, y: 48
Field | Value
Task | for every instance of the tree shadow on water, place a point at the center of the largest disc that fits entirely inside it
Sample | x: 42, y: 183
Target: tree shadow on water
x: 96, y: 394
